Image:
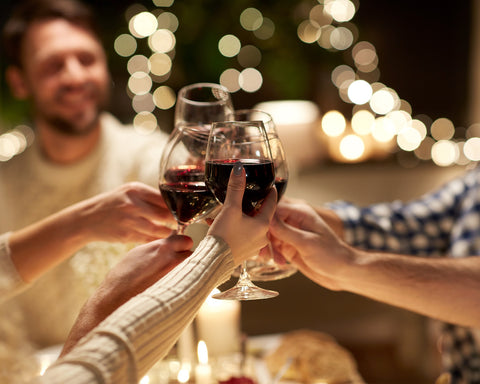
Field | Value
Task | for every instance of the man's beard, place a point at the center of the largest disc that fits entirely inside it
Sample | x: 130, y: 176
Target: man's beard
x: 71, y: 128
x: 80, y: 125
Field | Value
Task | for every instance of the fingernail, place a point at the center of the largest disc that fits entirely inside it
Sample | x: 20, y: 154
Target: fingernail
x: 237, y: 168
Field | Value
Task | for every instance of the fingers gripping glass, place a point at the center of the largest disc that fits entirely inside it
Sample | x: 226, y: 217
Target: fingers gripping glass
x: 246, y: 142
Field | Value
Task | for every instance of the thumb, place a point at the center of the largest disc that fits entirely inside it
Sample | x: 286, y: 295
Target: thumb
x: 236, y: 186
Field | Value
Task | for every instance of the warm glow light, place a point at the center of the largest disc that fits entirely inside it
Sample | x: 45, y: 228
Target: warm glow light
x: 444, y: 153
x: 145, y: 380
x: 362, y: 122
x: 138, y: 63
x: 139, y: 83
x: 266, y: 30
x: 229, y: 45
x: 249, y: 56
x: 352, y: 147
x: 408, y: 139
x: 143, y: 103
x: 341, y: 38
x: 250, y: 80
x: 251, y: 19
x: 202, y: 352
x: 183, y: 375
x: 125, y: 45
x: 164, y: 97
x: 167, y: 20
x: 163, y: 3
x: 383, y: 130
x: 230, y: 79
x: 333, y: 123
x: 145, y: 122
x: 364, y: 54
x: 341, y: 10
x: 320, y: 16
x: 382, y: 102
x: 160, y: 64
x: 162, y: 41
x: 144, y: 24
x: 424, y: 151
x: 442, y: 129
x: 324, y: 40
x: 471, y: 149
x: 308, y: 31
x: 359, y: 92
x: 420, y: 127
x: 342, y: 74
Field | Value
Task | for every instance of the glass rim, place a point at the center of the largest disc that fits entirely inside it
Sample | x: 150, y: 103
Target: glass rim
x: 186, y: 88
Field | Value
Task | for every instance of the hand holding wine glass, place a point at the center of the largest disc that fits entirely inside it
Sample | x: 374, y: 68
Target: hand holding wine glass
x: 231, y: 142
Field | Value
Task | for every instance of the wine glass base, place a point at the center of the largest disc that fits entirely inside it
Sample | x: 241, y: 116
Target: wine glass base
x: 268, y: 271
x: 271, y: 273
x: 245, y: 293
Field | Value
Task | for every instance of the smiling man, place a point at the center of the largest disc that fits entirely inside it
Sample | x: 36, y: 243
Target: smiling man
x: 57, y: 63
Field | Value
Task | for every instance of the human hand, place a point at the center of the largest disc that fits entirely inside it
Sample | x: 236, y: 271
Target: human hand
x: 133, y: 212
x: 299, y: 234
x: 244, y: 234
x: 138, y: 270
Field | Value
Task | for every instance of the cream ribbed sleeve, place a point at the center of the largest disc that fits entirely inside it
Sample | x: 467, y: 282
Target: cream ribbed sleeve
x: 127, y: 344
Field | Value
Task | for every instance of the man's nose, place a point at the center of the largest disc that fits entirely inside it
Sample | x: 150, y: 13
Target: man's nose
x: 73, y: 71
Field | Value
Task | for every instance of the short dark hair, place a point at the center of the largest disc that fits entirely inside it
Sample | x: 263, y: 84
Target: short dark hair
x: 30, y: 11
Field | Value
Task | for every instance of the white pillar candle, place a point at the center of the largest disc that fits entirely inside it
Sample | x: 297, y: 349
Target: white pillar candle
x: 218, y: 323
x: 186, y: 347
x: 203, y: 371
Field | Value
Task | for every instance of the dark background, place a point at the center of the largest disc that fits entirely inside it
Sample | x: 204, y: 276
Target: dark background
x: 423, y: 50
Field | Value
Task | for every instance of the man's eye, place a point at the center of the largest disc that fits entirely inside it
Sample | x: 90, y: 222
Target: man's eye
x: 52, y: 67
x: 86, y: 59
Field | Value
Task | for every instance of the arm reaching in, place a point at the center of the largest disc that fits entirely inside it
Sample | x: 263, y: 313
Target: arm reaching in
x: 130, y: 340
x: 447, y: 289
x: 133, y: 212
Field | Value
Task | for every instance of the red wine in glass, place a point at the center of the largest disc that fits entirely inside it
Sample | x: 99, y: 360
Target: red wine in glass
x: 186, y: 194
x: 260, y: 176
x: 281, y: 186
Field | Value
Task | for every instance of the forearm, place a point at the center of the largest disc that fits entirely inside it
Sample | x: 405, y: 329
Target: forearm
x: 40, y: 246
x: 149, y: 324
x: 446, y: 289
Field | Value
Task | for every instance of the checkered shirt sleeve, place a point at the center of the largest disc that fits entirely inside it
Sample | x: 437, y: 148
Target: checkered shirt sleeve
x: 445, y: 222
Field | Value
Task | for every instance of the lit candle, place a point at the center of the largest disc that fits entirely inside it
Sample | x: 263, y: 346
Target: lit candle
x: 203, y: 371
x: 218, y: 323
x: 186, y: 346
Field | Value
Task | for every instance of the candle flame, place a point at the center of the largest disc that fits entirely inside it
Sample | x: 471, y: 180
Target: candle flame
x: 202, y: 352
x: 183, y: 375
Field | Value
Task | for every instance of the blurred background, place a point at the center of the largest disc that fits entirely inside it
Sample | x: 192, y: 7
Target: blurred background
x: 375, y: 100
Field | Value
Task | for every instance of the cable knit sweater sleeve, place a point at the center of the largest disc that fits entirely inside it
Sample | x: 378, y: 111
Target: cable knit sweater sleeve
x: 10, y: 281
x: 127, y: 344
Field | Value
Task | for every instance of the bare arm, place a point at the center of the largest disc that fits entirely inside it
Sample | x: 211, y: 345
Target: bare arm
x: 446, y: 289
x: 133, y: 212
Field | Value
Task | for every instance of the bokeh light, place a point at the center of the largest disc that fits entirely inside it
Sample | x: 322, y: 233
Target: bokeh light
x: 251, y: 19
x: 333, y: 123
x: 229, y: 45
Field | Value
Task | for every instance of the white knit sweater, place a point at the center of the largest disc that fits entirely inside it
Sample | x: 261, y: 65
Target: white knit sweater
x: 31, y: 188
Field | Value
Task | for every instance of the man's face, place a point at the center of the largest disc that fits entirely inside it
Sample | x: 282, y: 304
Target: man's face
x: 65, y: 74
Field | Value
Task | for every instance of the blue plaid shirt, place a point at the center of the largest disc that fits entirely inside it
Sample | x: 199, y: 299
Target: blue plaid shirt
x: 445, y: 222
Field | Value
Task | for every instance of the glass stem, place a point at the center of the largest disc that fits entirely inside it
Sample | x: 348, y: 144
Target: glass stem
x: 181, y: 229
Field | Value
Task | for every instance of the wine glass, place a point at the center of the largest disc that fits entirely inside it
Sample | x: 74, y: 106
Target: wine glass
x: 202, y: 104
x: 231, y: 142
x: 264, y: 267
x: 182, y: 177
